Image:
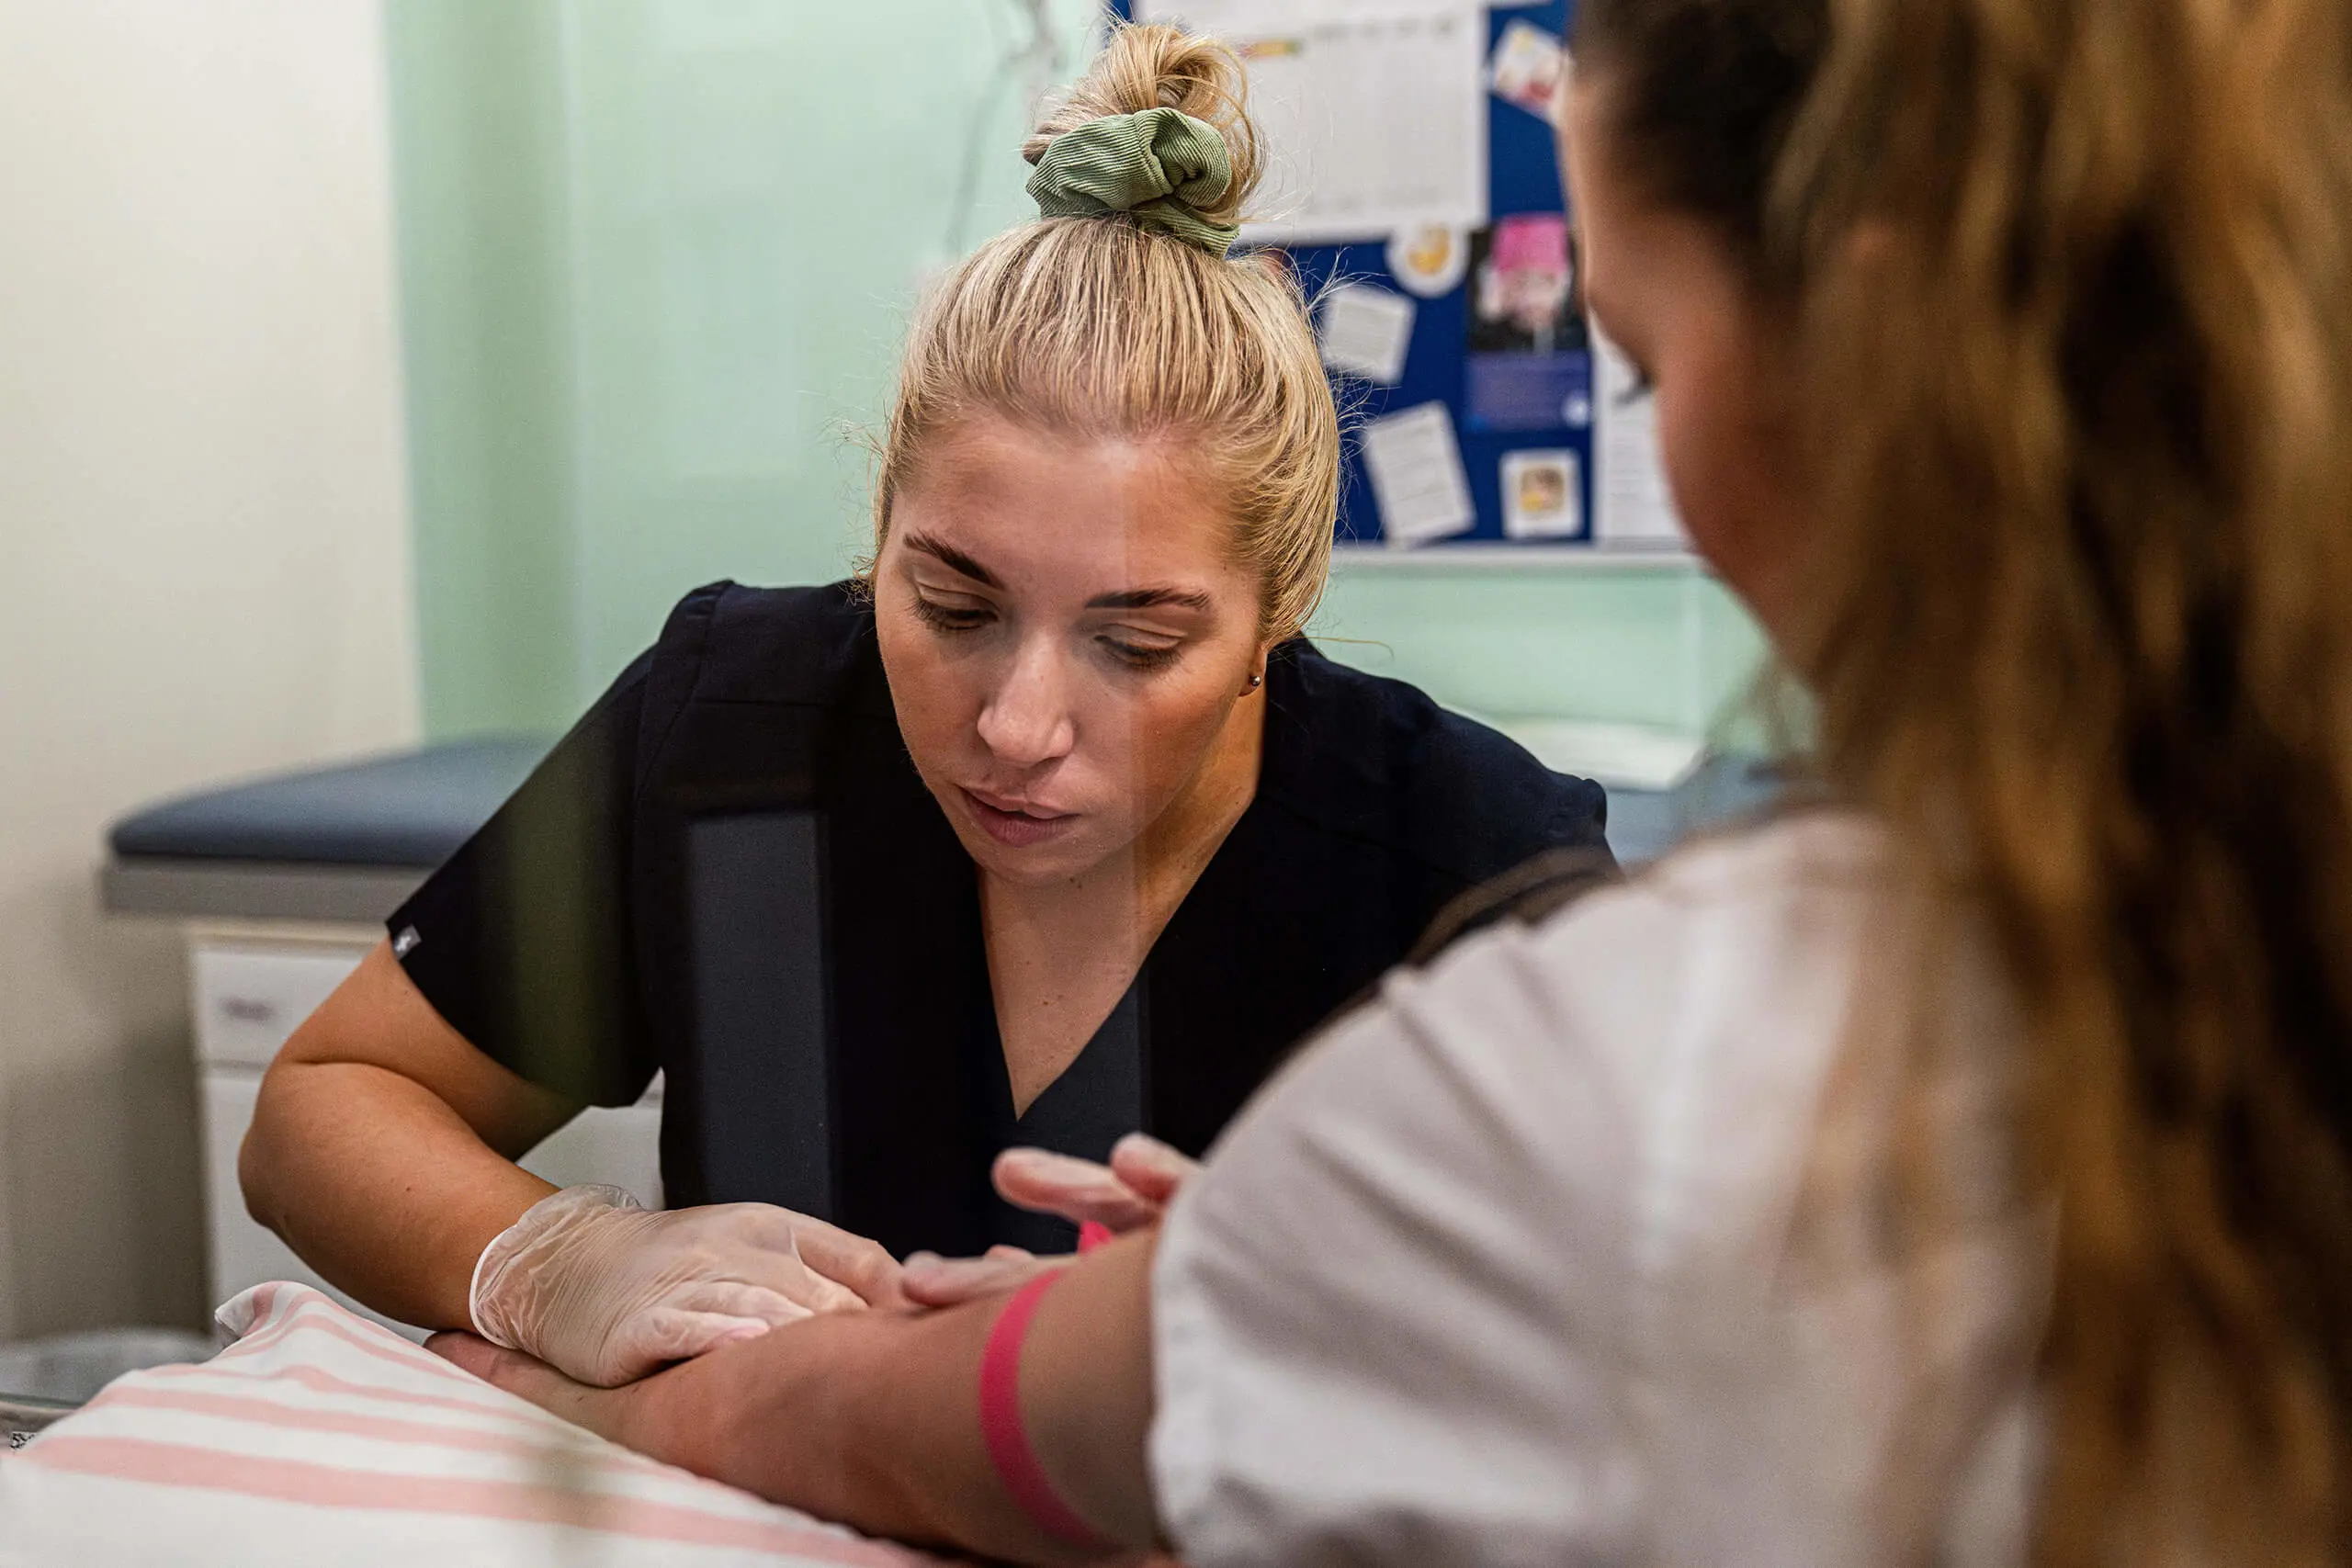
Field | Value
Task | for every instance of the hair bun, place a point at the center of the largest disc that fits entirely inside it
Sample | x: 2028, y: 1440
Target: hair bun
x: 1158, y: 66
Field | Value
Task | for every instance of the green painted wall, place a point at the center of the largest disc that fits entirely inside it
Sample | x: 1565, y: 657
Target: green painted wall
x: 1666, y: 648
x: 479, y: 123
x: 656, y: 258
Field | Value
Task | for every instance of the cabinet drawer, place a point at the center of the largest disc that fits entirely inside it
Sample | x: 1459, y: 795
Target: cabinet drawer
x: 249, y: 999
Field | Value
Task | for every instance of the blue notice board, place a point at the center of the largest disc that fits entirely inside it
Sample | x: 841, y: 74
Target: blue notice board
x: 1518, y: 395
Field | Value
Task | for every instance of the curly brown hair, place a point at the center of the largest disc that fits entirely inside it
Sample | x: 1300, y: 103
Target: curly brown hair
x: 2080, y: 633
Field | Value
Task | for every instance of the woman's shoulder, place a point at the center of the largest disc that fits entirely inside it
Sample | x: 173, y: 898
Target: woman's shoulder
x: 1742, y: 952
x: 1379, y: 760
x: 1772, y: 917
x: 1658, y: 1049
x: 812, y: 647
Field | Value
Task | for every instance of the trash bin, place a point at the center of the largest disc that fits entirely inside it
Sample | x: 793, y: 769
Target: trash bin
x: 43, y: 1380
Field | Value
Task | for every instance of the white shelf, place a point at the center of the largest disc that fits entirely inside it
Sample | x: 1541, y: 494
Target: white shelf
x: 1521, y: 558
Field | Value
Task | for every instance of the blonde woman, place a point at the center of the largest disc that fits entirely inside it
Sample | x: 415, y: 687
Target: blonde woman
x: 1101, y: 835
x: 1963, y: 1174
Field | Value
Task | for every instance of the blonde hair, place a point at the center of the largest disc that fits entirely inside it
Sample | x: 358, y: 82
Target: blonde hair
x: 1100, y: 328
x: 2073, y: 281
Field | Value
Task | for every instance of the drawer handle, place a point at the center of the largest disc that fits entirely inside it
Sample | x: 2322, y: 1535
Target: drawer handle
x: 246, y: 1009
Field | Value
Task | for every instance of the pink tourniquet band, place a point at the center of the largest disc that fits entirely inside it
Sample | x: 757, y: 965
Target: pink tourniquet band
x: 1001, y: 1427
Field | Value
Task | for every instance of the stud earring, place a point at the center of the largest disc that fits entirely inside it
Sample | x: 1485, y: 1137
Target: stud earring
x: 1258, y: 680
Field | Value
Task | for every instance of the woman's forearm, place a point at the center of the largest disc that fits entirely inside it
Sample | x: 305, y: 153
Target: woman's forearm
x: 873, y: 1418
x: 379, y: 1149
x: 379, y: 1186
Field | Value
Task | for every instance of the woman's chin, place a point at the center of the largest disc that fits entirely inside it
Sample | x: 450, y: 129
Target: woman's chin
x: 1037, y: 864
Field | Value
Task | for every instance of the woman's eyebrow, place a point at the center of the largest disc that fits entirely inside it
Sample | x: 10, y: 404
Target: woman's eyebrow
x: 1152, y: 599
x: 953, y: 558
x: 958, y: 561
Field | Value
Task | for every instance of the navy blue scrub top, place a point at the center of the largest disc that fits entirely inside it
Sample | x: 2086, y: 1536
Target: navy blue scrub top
x: 562, y: 939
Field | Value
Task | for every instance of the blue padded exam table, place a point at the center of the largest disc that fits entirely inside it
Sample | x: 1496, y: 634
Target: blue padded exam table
x: 337, y: 844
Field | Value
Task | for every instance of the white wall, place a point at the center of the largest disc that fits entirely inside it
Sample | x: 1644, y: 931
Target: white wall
x: 203, y: 552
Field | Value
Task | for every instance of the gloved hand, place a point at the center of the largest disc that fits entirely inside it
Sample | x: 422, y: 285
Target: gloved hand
x: 595, y: 1285
x: 1128, y: 1194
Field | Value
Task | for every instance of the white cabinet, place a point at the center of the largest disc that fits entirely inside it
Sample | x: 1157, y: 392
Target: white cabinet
x: 251, y: 988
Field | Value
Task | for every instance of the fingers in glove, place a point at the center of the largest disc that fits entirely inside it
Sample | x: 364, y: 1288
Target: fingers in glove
x: 1077, y: 1189
x: 654, y: 1339
x: 818, y: 1293
x: 764, y: 1245
x: 789, y: 1276
x: 862, y: 1266
x: 730, y: 1298
x: 1154, y: 1170
x: 934, y: 1282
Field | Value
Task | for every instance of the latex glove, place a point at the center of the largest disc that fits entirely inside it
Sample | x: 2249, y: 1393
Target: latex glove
x: 595, y: 1284
x: 1130, y: 1194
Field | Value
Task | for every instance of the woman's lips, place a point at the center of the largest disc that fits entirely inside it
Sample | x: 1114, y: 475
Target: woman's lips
x: 1014, y: 825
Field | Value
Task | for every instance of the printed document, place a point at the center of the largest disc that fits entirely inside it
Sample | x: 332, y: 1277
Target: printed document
x: 1373, y: 111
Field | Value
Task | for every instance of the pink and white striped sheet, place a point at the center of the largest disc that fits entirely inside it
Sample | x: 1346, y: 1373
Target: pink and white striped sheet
x: 320, y: 1438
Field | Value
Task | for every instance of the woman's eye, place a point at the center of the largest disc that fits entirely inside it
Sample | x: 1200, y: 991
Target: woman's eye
x: 950, y: 617
x: 1141, y: 655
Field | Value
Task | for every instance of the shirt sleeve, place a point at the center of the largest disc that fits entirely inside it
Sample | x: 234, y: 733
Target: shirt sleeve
x: 521, y: 941
x: 1582, y: 819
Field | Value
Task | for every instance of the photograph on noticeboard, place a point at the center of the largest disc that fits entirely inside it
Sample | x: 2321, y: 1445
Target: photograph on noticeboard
x: 1530, y: 365
x: 1543, y: 495
x: 1527, y: 69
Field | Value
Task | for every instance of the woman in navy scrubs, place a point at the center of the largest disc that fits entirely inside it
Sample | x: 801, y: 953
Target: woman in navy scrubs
x: 1064, y: 829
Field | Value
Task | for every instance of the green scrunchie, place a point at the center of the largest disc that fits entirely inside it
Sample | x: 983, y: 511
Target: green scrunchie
x: 1160, y: 167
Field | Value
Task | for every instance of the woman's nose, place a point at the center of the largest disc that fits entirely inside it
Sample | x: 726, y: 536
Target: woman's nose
x: 1027, y: 720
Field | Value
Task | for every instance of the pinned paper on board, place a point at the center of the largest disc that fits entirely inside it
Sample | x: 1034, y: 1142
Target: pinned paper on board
x: 1373, y: 110
x: 1415, y: 463
x: 1429, y: 259
x: 1633, y: 507
x: 1366, y: 331
x: 1543, y: 495
x: 1526, y: 68
x: 1524, y: 289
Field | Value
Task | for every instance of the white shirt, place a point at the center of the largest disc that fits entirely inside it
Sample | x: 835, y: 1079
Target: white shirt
x: 1505, y: 1268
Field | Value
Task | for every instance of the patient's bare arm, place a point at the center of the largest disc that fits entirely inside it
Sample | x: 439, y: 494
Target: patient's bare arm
x: 873, y: 1418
